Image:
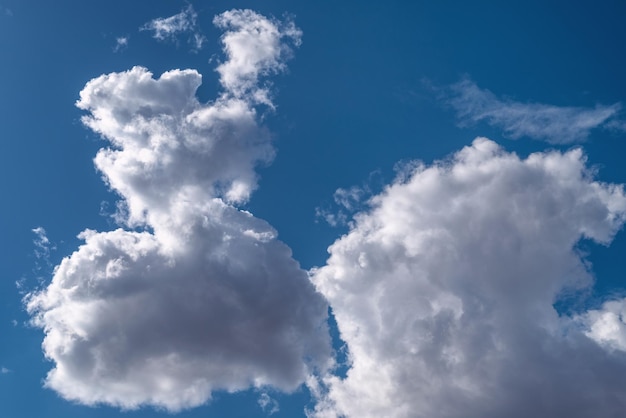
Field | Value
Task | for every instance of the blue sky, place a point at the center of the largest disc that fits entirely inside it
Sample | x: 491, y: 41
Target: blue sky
x: 243, y: 168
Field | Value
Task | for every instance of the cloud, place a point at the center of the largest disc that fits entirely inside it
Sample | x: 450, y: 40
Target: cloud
x: 444, y: 290
x: 554, y: 124
x: 348, y: 201
x: 42, y: 243
x: 121, y: 43
x: 169, y: 28
x: 4, y: 370
x: 200, y: 295
x: 607, y: 325
x: 43, y: 247
x: 268, y: 404
x: 256, y: 47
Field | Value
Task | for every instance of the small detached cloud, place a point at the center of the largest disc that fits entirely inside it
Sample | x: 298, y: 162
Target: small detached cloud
x: 444, y: 290
x: 195, y: 295
x: 268, y: 404
x: 346, y: 201
x: 170, y: 28
x: 553, y: 124
x: 43, y: 248
x: 4, y: 370
x: 41, y: 242
x: 121, y: 43
x: 6, y: 11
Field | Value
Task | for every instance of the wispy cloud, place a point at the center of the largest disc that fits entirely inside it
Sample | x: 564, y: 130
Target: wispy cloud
x: 346, y: 202
x: 6, y: 11
x: 170, y: 28
x: 4, y: 370
x: 553, y: 124
x: 268, y: 404
x: 43, y: 247
x: 121, y: 43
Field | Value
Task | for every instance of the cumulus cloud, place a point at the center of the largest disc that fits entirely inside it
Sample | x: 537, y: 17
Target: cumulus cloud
x: 200, y: 295
x: 554, y: 124
x: 256, y: 47
x: 444, y: 290
x: 607, y: 325
x: 170, y: 28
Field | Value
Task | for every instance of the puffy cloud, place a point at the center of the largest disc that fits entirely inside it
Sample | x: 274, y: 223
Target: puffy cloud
x: 554, y: 124
x: 607, y: 325
x: 203, y: 296
x: 444, y: 290
x: 256, y: 47
x: 169, y: 28
x: 168, y: 147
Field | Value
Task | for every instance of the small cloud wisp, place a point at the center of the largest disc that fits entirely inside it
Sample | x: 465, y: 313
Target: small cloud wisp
x: 553, y: 124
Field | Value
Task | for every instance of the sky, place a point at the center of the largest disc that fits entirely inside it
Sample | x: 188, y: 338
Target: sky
x: 312, y: 209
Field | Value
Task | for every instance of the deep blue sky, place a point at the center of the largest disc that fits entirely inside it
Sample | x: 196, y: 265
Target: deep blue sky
x: 362, y: 92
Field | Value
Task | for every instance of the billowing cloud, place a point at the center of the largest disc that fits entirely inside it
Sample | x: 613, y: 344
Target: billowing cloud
x: 444, y: 290
x: 554, y: 124
x: 170, y: 28
x: 607, y: 325
x: 200, y: 296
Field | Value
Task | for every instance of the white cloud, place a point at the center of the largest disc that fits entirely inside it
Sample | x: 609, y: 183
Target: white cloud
x: 350, y: 198
x: 255, y: 47
x: 347, y: 201
x: 121, y: 43
x: 334, y: 219
x: 607, y: 325
x: 205, y: 298
x: 4, y: 370
x: 169, y: 28
x: 444, y: 289
x: 43, y: 247
x: 554, y: 124
x: 268, y: 404
x: 42, y: 243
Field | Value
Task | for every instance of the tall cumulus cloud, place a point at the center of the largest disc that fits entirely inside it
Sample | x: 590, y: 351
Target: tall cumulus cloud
x: 199, y: 296
x: 444, y: 293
